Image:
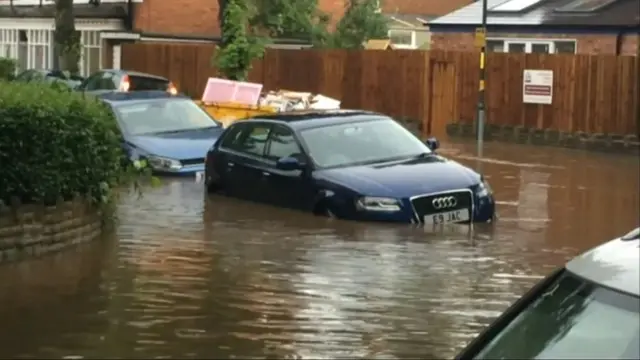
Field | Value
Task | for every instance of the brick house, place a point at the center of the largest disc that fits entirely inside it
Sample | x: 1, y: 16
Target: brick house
x: 26, y: 26
x: 409, y: 20
x: 544, y: 26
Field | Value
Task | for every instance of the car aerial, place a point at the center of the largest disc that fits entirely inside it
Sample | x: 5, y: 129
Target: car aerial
x: 50, y: 76
x: 589, y: 309
x: 108, y: 80
x: 170, y: 132
x: 347, y: 164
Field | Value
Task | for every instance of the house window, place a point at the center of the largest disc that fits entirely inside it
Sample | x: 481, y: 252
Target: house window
x: 565, y: 47
x: 516, y: 47
x: 39, y: 49
x: 495, y: 46
x: 9, y: 43
x: 403, y: 38
x: 91, y: 58
x: 535, y: 46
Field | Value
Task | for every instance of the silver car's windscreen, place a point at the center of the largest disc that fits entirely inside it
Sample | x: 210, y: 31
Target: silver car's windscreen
x: 572, y: 319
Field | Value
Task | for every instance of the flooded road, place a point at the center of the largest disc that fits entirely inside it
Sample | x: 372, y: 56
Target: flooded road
x: 218, y: 278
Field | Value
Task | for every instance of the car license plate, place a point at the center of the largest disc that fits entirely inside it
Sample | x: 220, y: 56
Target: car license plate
x: 449, y: 217
x: 199, y: 176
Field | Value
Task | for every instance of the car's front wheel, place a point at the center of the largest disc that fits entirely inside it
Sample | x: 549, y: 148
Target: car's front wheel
x: 211, y: 185
x: 323, y: 210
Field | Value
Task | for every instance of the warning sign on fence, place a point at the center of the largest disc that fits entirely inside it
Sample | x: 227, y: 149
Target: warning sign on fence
x: 537, y: 86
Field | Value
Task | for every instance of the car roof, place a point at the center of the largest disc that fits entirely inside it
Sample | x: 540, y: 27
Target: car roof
x: 615, y: 264
x: 138, y: 96
x: 134, y: 73
x: 306, y: 119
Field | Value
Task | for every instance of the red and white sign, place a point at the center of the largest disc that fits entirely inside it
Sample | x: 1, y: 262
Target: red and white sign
x: 537, y: 87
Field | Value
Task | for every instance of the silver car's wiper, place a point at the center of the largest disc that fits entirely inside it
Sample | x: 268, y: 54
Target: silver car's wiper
x: 423, y: 155
x: 185, y: 130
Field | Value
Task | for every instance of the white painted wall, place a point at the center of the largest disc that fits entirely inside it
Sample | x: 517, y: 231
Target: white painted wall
x: 117, y: 56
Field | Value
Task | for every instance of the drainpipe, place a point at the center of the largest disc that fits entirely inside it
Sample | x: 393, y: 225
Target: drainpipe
x: 637, y: 84
x: 129, y: 19
x: 619, y: 42
x: 222, y: 5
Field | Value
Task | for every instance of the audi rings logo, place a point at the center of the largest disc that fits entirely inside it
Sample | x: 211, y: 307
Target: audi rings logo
x: 444, y: 202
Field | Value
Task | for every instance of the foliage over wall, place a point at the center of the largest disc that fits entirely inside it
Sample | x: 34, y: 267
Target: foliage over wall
x: 238, y: 47
x: 247, y: 23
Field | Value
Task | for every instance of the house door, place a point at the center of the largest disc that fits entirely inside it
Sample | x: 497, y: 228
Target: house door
x: 443, y: 97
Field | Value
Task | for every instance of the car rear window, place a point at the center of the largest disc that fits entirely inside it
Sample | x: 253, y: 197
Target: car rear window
x: 142, y: 83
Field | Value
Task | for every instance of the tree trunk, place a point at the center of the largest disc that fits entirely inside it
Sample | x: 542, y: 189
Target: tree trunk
x: 67, y: 39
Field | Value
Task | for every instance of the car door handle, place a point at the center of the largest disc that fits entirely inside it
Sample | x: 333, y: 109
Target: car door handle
x: 265, y: 173
x: 230, y: 164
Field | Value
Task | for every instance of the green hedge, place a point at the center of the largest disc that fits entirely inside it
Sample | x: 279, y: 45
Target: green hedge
x: 7, y: 68
x: 54, y: 144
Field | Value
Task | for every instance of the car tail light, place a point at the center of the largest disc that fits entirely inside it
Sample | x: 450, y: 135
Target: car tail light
x: 125, y: 84
x: 171, y: 89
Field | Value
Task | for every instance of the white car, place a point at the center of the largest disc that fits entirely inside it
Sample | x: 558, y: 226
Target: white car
x: 590, y: 309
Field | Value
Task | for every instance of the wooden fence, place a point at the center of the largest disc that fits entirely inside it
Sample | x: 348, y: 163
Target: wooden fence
x: 592, y: 94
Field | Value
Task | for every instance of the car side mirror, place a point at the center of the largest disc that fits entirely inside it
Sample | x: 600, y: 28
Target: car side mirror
x: 289, y: 163
x: 432, y: 143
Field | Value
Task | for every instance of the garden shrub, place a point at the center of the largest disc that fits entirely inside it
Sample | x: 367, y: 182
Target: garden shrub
x: 7, y: 68
x: 55, y: 144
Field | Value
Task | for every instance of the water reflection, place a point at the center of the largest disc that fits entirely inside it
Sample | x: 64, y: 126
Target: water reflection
x: 221, y: 278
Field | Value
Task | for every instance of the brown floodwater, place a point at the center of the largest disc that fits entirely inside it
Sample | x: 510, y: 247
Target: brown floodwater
x: 184, y: 276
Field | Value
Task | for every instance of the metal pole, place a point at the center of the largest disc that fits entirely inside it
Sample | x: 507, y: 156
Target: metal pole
x: 481, y: 97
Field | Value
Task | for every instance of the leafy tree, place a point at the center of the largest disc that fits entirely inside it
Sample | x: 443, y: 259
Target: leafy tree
x: 238, y: 48
x: 292, y: 19
x: 361, y: 22
x: 67, y: 39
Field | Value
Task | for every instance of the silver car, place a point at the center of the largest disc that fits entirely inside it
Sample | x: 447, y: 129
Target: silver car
x: 590, y: 309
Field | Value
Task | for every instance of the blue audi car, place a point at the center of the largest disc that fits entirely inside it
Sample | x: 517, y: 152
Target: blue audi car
x: 171, y: 132
x: 347, y: 164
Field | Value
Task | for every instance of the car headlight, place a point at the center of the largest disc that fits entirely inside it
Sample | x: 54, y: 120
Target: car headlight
x: 369, y: 203
x: 166, y: 164
x: 483, y: 189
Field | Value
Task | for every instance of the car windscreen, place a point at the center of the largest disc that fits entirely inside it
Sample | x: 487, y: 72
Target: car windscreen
x: 571, y: 319
x: 143, y: 83
x: 166, y: 115
x: 359, y: 143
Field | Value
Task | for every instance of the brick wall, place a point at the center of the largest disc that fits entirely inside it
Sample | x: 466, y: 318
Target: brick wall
x: 184, y: 17
x: 334, y: 8
x: 31, y: 230
x: 586, y: 43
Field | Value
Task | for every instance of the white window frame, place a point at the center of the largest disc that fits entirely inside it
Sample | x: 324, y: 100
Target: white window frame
x: 39, y: 33
x: 43, y: 39
x: 89, y: 39
x: 403, y: 46
x: 9, y: 41
x: 528, y: 43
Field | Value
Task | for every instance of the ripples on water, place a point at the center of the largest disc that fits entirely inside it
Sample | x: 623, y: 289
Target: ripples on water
x: 252, y: 281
